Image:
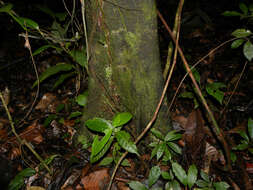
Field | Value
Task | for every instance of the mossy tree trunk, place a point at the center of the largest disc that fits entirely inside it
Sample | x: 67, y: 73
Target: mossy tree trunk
x: 124, y: 65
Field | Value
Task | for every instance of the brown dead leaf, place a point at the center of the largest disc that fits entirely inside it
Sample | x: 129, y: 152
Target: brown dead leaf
x: 96, y: 180
x: 48, y: 103
x: 122, y: 186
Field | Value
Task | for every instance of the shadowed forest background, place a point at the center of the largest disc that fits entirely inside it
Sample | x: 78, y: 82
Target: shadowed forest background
x: 96, y: 119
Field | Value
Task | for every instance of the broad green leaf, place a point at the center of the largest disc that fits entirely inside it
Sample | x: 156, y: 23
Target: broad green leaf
x: 248, y: 50
x: 243, y: 146
x: 75, y: 114
x: 46, y: 10
x: 41, y: 49
x: 125, y: 163
x: 160, y: 150
x: 80, y: 57
x: 233, y: 156
x: 154, y: 175
x: 250, y: 128
x: 97, y: 145
x: 98, y: 124
x: 240, y: 33
x: 121, y: 119
x: 166, y: 176
x: 52, y: 71
x: 204, y: 176
x: 172, y: 185
x: 81, y: 99
x: 26, y: 22
x: 62, y: 78
x: 157, y: 134
x: 154, y: 151
x: 221, y: 185
x: 167, y: 155
x: 95, y: 158
x: 124, y: 141
x: 106, y: 161
x: 174, y: 147
x: 179, y: 173
x: 213, y: 89
x: 192, y: 176
x: 231, y: 13
x: 237, y: 43
x: 243, y: 8
x: 6, y: 8
x: 172, y: 136
x: 18, y: 181
x: 49, y: 119
x: 202, y: 183
x: 153, y: 144
x: 136, y: 185
x: 244, y: 135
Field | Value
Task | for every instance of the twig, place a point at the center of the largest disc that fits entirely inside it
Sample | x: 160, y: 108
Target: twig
x: 195, y: 64
x: 218, y: 132
x: 28, y: 46
x: 177, y: 23
x: 236, y: 85
x: 22, y: 141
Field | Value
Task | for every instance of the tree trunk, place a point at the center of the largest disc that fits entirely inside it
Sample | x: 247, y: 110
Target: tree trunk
x: 124, y: 65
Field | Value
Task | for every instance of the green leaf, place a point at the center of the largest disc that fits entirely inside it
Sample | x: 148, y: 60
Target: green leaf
x: 125, y: 163
x: 192, y: 176
x: 62, y: 78
x: 244, y: 135
x: 160, y: 150
x: 41, y: 49
x: 240, y: 33
x: 172, y: 185
x: 97, y: 145
x: 167, y: 155
x: 243, y: 146
x: 154, y: 175
x: 231, y: 13
x: 18, y: 181
x: 75, y: 114
x: 213, y: 89
x: 233, y: 156
x: 157, y: 134
x: 180, y: 173
x: 202, y: 183
x: 248, y: 50
x: 172, y: 136
x: 243, y: 8
x: 136, y: 185
x: 124, y: 141
x: 48, y: 160
x: 221, y: 185
x: 166, y: 176
x: 237, y: 43
x: 6, y: 8
x: 154, y: 151
x: 121, y: 119
x: 174, y: 147
x: 59, y: 108
x: 250, y: 128
x: 26, y: 22
x: 81, y: 99
x: 49, y: 119
x: 187, y: 95
x: 80, y: 57
x: 106, y: 161
x: 98, y: 124
x: 52, y: 71
x: 95, y: 158
x: 204, y: 176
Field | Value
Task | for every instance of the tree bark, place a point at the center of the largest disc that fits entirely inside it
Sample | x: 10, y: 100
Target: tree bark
x: 124, y: 66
